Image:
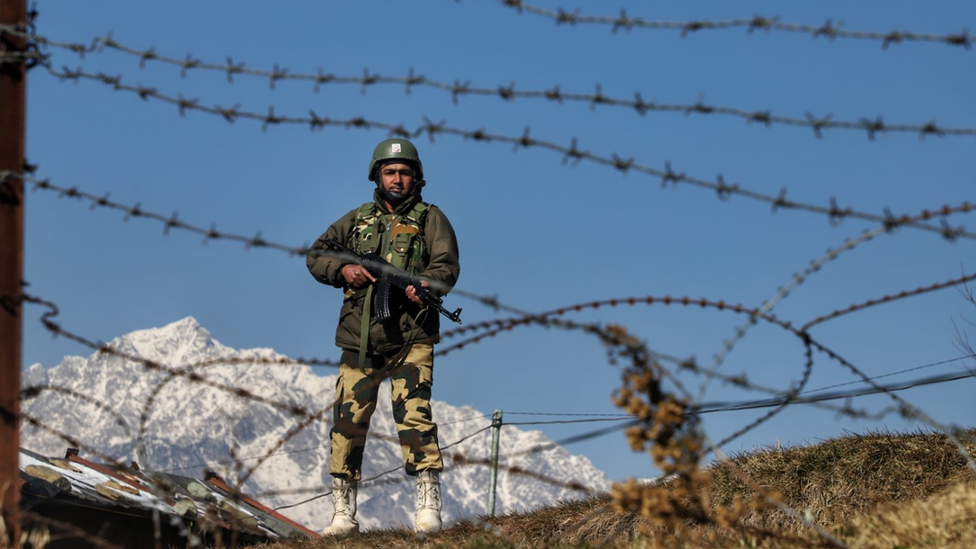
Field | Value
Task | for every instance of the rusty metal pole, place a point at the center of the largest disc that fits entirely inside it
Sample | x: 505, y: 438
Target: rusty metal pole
x: 13, y: 95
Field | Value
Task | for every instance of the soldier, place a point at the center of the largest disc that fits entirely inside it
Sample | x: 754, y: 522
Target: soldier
x: 418, y: 238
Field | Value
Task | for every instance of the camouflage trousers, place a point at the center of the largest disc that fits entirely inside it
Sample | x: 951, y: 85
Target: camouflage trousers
x: 355, y: 402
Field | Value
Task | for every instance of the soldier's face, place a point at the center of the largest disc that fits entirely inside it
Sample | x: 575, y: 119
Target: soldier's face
x: 397, y: 180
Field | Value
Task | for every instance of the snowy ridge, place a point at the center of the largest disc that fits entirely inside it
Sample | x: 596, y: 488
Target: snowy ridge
x: 190, y: 426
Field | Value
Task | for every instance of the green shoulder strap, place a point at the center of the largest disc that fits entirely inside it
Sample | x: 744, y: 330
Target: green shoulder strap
x: 418, y: 214
x: 365, y: 238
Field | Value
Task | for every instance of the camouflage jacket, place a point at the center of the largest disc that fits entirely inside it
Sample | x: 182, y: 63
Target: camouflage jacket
x: 439, y: 265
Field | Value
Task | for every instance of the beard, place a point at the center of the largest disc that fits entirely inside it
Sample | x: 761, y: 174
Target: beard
x: 395, y: 198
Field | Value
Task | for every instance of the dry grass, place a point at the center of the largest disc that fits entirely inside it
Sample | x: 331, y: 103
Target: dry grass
x: 870, y: 491
x: 944, y: 520
x: 834, y: 481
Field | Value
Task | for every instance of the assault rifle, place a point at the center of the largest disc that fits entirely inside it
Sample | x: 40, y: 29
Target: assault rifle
x: 388, y: 276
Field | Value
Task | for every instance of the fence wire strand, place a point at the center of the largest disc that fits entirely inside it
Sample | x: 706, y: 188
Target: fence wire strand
x: 871, y: 126
x: 828, y: 30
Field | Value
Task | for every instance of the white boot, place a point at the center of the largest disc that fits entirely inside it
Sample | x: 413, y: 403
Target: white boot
x: 344, y: 513
x: 428, y: 502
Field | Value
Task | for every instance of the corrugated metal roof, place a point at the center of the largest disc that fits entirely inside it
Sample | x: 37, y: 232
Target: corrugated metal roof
x: 196, y: 505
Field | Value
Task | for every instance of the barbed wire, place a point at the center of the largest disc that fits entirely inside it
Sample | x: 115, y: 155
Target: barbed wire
x: 462, y: 460
x: 458, y: 459
x: 610, y: 335
x: 174, y: 222
x: 33, y: 391
x: 871, y: 126
x: 714, y: 407
x: 432, y: 130
x: 572, y: 153
x: 188, y: 372
x: 257, y: 241
x: 888, y: 298
x: 828, y: 30
x: 668, y: 176
x: 784, y: 291
x: 741, y: 380
x: 790, y: 397
x: 137, y: 211
x: 318, y: 490
x: 904, y: 407
x: 504, y: 325
x: 494, y: 327
x: 239, y: 459
x: 890, y: 222
x: 785, y: 398
x: 497, y: 326
x: 30, y: 57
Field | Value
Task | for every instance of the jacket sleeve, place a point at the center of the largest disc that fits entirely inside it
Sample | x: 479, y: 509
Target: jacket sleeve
x: 443, y: 267
x: 325, y: 266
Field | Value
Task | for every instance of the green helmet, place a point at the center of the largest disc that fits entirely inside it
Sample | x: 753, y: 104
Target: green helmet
x: 395, y: 149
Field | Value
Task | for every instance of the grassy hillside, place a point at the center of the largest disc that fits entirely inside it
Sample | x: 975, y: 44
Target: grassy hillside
x: 878, y: 491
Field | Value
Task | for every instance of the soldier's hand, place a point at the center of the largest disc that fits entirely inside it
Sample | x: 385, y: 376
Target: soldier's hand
x: 357, y: 276
x: 412, y: 292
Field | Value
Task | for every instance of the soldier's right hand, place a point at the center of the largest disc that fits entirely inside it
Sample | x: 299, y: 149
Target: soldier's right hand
x: 357, y: 276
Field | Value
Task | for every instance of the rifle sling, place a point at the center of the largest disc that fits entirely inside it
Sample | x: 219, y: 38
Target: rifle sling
x: 364, y: 329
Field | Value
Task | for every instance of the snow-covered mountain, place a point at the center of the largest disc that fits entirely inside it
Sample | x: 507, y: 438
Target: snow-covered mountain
x: 133, y: 412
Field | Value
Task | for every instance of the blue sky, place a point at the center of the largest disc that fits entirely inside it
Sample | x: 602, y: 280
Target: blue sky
x: 536, y: 231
